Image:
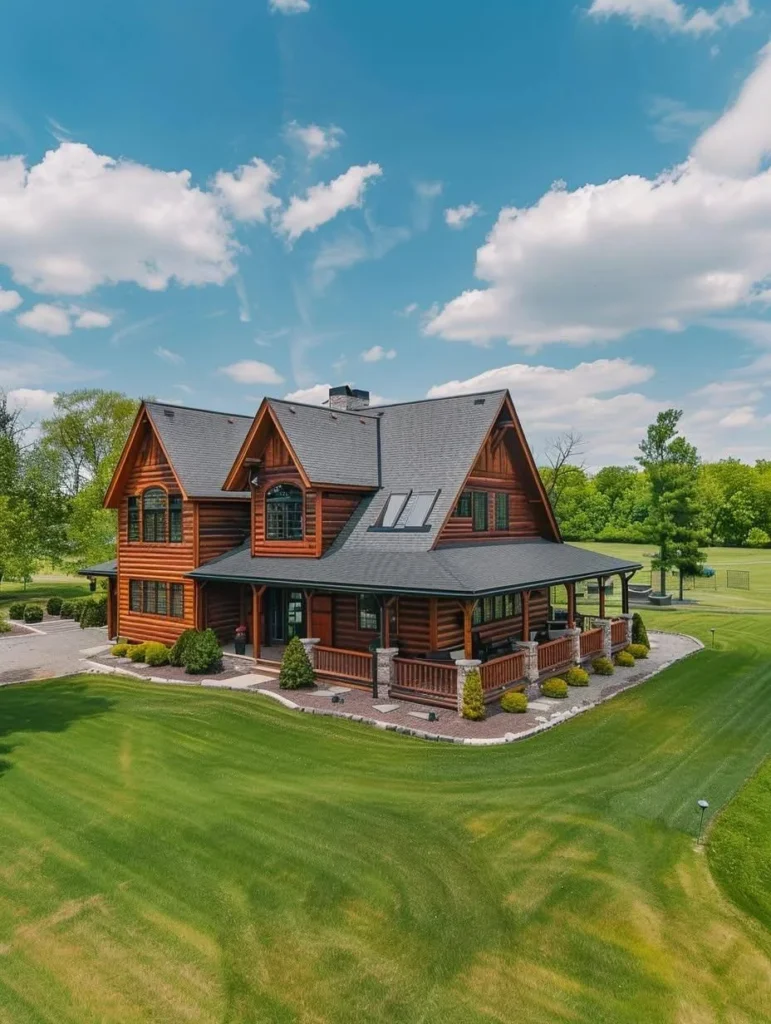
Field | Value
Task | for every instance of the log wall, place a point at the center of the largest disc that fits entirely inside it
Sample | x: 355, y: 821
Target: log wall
x: 222, y: 525
x: 222, y: 609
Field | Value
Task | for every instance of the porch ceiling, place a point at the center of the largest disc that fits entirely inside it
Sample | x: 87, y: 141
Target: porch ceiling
x: 472, y: 570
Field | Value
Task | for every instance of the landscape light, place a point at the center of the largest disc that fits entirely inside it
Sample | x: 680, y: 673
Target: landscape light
x: 712, y: 631
x: 703, y: 804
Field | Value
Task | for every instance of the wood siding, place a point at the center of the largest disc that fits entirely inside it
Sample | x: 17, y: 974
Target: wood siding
x: 336, y: 509
x: 279, y: 468
x: 222, y: 609
x: 493, y: 472
x: 449, y: 617
x: 222, y: 525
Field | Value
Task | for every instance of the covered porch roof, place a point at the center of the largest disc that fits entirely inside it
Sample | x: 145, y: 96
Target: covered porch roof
x: 463, y: 571
x: 101, y: 569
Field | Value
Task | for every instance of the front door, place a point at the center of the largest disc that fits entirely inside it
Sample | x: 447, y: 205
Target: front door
x: 322, y: 619
x: 286, y: 615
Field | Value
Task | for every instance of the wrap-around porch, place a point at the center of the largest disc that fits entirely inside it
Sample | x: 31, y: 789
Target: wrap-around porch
x: 410, y: 646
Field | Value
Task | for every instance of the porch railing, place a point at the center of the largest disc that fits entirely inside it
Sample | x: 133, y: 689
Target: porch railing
x: 555, y: 655
x: 591, y: 643
x: 618, y: 633
x: 342, y: 664
x: 502, y: 672
x: 426, y: 677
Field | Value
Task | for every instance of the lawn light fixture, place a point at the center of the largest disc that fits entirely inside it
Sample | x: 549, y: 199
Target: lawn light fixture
x: 712, y: 631
x: 432, y: 716
x: 703, y: 805
x: 337, y: 699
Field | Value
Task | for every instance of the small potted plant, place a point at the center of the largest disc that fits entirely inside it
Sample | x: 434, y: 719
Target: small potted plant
x: 240, y: 640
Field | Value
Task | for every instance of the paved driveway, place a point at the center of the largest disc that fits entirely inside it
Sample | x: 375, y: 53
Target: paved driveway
x: 56, y: 651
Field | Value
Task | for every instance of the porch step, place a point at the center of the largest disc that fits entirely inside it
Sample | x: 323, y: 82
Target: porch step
x: 271, y: 668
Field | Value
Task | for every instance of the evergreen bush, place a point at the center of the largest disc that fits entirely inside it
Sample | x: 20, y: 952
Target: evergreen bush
x: 203, y: 653
x: 639, y: 632
x: 16, y: 611
x: 94, y: 612
x: 296, y: 669
x: 136, y: 652
x: 5, y: 626
x: 473, y: 706
x: 576, y: 676
x: 177, y: 652
x: 119, y: 650
x: 54, y: 605
x: 624, y: 659
x: 603, y: 666
x: 65, y: 611
x: 638, y: 651
x: 156, y: 654
x: 514, y: 702
x: 33, y: 613
x: 554, y: 688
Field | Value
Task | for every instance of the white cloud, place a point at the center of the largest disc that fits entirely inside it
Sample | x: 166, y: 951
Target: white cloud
x: 246, y: 193
x: 289, y: 6
x: 250, y: 371
x: 377, y: 353
x: 90, y: 318
x: 673, y: 121
x: 429, y: 189
x: 28, y: 366
x: 46, y: 319
x: 409, y: 309
x: 9, y: 300
x: 34, y: 401
x: 315, y: 140
x: 323, y: 202
x: 168, y: 356
x: 458, y: 216
x: 677, y: 17
x: 355, y: 247
x: 633, y: 253
x: 318, y: 394
x: 78, y: 219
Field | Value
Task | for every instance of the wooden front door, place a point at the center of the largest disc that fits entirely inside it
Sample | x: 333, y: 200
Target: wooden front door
x: 321, y: 626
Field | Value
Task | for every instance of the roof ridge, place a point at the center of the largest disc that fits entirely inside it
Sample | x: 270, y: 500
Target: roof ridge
x: 373, y: 410
x: 193, y: 408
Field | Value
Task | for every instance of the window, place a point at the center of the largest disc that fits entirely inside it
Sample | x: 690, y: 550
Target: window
x: 151, y: 597
x: 284, y: 513
x: 135, y: 596
x: 393, y: 509
x: 476, y: 615
x: 175, y: 519
x: 177, y: 604
x: 133, y: 519
x: 501, y: 511
x: 154, y: 516
x: 463, y: 508
x: 419, y: 510
x: 497, y: 608
x: 369, y: 612
x: 480, y: 511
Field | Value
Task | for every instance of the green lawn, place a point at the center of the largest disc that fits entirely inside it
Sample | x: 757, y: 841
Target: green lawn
x: 173, y: 854
x: 43, y: 587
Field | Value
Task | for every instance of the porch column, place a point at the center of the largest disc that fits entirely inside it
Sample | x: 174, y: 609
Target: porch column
x: 530, y: 648
x: 607, y: 645
x: 310, y: 644
x: 628, y: 623
x: 199, y: 605
x: 464, y: 667
x: 468, y: 641
x: 625, y: 594
x: 571, y: 589
x: 575, y: 636
x: 601, y: 581
x: 384, y: 662
x: 257, y: 593
x: 525, y: 616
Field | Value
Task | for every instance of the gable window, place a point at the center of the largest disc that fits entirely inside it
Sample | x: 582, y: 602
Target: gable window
x: 463, y: 508
x: 284, y: 513
x: 133, y: 519
x: 479, y: 511
x: 154, y: 516
x: 369, y: 612
x: 501, y: 511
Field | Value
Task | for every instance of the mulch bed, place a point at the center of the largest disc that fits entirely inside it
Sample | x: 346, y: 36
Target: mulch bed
x: 169, y: 673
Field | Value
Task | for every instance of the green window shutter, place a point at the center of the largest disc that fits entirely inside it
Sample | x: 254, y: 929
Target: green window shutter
x: 480, y: 511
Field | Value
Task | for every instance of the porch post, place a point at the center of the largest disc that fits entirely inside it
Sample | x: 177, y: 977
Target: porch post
x: 530, y: 647
x: 601, y: 581
x: 257, y: 593
x: 607, y: 644
x: 464, y: 667
x: 384, y: 661
x: 112, y: 630
x: 575, y: 636
x: 625, y: 594
x: 628, y: 622
x: 525, y: 616
x: 571, y: 589
x: 468, y: 640
x: 200, y: 605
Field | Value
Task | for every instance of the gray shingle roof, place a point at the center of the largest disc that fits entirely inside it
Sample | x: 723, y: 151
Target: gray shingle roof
x: 101, y: 569
x: 468, y: 570
x: 202, y: 445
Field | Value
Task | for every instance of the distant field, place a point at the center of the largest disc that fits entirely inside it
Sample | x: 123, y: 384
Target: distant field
x: 42, y: 587
x: 756, y: 562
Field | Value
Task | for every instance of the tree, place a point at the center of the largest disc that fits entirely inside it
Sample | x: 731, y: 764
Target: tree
x: 296, y: 669
x: 672, y: 465
x: 560, y: 453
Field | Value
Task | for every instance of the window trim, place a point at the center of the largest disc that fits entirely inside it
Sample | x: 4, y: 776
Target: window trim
x: 169, y: 497
x: 368, y: 629
x: 265, y: 505
x: 502, y: 496
x: 139, y: 591
x: 485, y: 611
x: 465, y: 496
x: 136, y: 509
x: 486, y: 496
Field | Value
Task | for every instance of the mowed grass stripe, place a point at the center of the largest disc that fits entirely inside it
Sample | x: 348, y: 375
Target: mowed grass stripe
x: 171, y: 854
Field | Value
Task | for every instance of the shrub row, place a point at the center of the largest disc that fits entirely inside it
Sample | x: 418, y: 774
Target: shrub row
x: 194, y: 651
x: 514, y: 702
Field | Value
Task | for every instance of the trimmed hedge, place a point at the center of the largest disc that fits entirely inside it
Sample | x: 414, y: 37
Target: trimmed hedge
x: 177, y: 652
x: 202, y: 653
x: 33, y: 613
x: 136, y: 652
x: 119, y: 650
x: 16, y: 611
x: 54, y: 605
x: 514, y: 702
x: 624, y: 659
x: 296, y: 669
x: 638, y: 651
x: 94, y: 612
x: 576, y: 676
x: 473, y: 706
x: 603, y: 666
x: 554, y: 688
x: 639, y: 632
x: 65, y: 611
x: 156, y: 654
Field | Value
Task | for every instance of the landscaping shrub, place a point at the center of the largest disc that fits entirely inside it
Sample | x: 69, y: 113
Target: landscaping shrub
x: 554, y: 688
x: 5, y: 626
x: 638, y: 651
x: 136, y: 652
x: 624, y: 659
x: 16, y: 611
x: 177, y: 652
x: 73, y: 609
x: 66, y: 610
x: 203, y: 653
x: 514, y: 702
x: 54, y: 605
x: 639, y: 632
x: 473, y: 706
x: 94, y: 612
x: 296, y: 669
x: 576, y: 676
x: 156, y: 654
x: 120, y: 650
x: 33, y: 613
x: 603, y: 666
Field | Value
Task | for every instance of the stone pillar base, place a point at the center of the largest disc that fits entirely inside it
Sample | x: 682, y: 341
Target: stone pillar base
x: 530, y: 647
x: 310, y: 645
x: 607, y: 645
x: 386, y: 674
x: 575, y: 636
x: 627, y: 617
x: 464, y: 667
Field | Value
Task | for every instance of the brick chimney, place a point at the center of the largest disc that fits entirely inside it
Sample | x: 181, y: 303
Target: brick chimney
x: 348, y: 399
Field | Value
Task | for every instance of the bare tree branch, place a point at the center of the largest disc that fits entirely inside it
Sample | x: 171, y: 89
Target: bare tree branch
x: 561, y: 453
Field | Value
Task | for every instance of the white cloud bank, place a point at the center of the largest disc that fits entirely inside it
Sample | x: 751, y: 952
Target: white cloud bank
x: 246, y: 192
x: 58, y: 321
x: 289, y: 6
x: 378, y: 353
x: 313, y: 139
x: 250, y: 371
x: 9, y: 300
x: 323, y: 202
x: 604, y: 260
x: 458, y: 216
x: 672, y: 15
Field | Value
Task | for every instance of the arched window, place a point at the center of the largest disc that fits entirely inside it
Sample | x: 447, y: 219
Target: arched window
x: 154, y: 515
x: 284, y: 513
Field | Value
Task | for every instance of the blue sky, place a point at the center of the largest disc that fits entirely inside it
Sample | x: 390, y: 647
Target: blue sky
x: 208, y: 202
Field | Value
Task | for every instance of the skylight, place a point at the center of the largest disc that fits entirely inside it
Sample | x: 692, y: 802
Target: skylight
x: 393, y: 509
x: 418, y: 512
x: 406, y: 510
